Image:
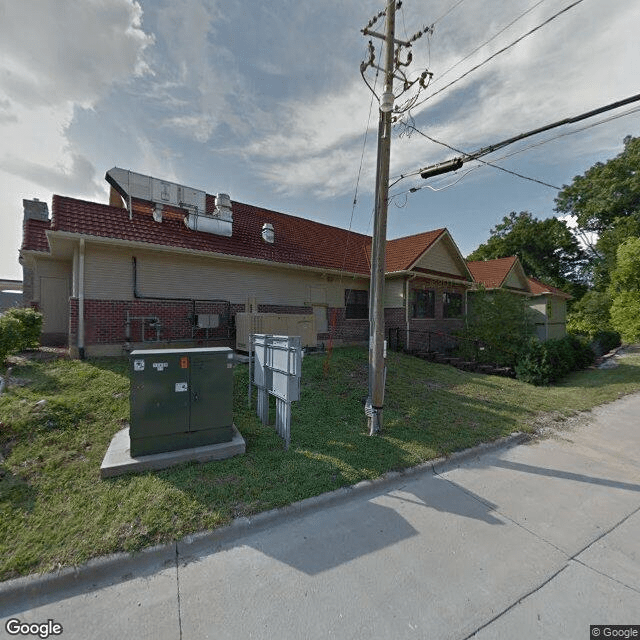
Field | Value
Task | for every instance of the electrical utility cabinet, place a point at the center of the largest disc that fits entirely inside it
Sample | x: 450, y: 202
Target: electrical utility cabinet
x: 180, y: 398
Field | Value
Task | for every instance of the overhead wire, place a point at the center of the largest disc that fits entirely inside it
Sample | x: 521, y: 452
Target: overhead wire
x: 497, y: 53
x: 486, y: 42
x: 508, y: 155
x: 446, y: 13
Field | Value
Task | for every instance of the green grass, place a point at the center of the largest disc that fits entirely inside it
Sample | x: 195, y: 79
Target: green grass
x: 56, y: 511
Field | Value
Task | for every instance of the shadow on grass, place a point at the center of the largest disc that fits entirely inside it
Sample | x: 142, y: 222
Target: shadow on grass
x: 15, y: 492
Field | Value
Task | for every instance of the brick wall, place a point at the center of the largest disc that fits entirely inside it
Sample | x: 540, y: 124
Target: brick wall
x: 118, y: 321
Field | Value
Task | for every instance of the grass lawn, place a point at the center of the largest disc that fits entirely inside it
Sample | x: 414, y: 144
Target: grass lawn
x: 58, y: 420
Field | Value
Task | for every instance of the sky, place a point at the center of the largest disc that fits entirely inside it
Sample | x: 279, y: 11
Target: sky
x: 265, y: 101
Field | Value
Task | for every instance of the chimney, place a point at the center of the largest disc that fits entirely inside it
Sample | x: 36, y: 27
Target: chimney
x: 35, y: 210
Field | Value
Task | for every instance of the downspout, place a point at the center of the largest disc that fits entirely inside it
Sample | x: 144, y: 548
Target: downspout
x: 81, y: 301
x: 406, y: 307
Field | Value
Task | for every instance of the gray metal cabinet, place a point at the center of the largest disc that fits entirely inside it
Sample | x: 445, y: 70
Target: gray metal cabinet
x: 180, y: 398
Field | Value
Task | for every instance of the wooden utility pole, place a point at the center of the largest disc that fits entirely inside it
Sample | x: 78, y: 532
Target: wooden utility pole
x: 376, y: 313
x: 393, y: 68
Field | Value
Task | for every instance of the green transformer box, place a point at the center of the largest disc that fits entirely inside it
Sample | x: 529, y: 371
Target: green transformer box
x: 180, y: 398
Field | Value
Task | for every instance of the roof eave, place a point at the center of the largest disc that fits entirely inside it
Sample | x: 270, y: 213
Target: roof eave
x: 207, y: 254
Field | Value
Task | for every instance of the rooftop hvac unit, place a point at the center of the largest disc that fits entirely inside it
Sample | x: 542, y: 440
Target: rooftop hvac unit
x: 180, y: 399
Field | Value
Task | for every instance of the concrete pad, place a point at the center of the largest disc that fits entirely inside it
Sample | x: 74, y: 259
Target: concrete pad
x: 549, y: 613
x: 618, y: 554
x: 145, y: 608
x: 563, y: 491
x: 419, y: 560
x: 118, y: 459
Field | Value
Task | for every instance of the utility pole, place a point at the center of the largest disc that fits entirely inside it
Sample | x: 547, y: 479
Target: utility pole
x: 376, y: 313
x: 392, y: 64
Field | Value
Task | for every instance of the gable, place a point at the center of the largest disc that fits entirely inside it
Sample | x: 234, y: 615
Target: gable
x: 442, y: 257
x: 516, y: 279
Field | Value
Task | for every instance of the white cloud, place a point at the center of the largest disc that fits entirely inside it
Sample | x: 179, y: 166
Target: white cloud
x: 59, y: 51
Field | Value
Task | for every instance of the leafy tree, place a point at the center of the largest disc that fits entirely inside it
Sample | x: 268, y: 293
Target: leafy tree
x: 547, y: 250
x: 606, y: 201
x: 498, y: 327
x: 606, y: 192
x: 625, y: 290
x: 590, y: 314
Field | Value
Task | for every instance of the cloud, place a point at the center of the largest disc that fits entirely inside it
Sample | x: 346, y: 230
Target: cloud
x: 545, y: 77
x: 60, y: 51
x: 78, y: 177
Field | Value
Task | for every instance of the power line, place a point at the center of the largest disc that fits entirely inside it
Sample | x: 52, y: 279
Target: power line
x: 458, y: 162
x: 485, y: 162
x: 446, y: 13
x: 491, y: 39
x: 497, y: 53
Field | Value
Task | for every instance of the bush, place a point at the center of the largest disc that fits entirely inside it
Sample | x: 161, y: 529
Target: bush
x: 30, y: 326
x: 605, y: 341
x: 584, y: 353
x: 546, y: 362
x: 498, y: 327
x: 19, y: 330
x: 533, y: 365
x: 10, y: 336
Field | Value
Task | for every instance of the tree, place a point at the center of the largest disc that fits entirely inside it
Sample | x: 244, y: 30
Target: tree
x: 547, y: 249
x: 606, y: 201
x: 498, y: 327
x: 625, y: 290
x: 590, y: 314
x: 606, y: 192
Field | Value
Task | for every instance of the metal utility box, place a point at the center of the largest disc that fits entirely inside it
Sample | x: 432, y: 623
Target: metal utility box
x: 180, y: 398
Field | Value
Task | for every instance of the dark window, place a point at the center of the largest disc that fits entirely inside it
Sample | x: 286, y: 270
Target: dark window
x: 451, y: 305
x: 423, y: 304
x: 356, y: 302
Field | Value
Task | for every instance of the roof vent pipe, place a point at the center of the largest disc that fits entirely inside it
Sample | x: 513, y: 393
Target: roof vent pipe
x: 223, y: 207
x: 268, y: 234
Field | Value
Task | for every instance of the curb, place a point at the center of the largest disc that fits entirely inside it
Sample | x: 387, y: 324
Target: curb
x: 119, y: 567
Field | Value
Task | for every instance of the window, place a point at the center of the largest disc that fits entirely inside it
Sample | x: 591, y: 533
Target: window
x: 451, y: 305
x: 356, y: 302
x: 423, y: 304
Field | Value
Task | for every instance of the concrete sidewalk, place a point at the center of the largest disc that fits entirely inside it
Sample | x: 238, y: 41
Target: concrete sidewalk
x: 537, y: 540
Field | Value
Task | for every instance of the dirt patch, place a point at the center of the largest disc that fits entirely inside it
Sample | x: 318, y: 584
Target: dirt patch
x: 554, y: 424
x: 41, y: 354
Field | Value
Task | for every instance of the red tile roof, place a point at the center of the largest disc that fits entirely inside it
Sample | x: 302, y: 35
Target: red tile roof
x: 539, y: 288
x: 297, y: 240
x: 34, y: 237
x: 491, y: 273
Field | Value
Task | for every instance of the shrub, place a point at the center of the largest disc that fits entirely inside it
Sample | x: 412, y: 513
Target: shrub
x: 30, y: 326
x: 19, y: 330
x: 498, y: 327
x: 546, y: 362
x: 584, y: 353
x: 10, y: 336
x: 604, y: 341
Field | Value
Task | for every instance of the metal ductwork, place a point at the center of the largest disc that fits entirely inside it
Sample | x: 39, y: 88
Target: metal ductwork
x: 161, y: 192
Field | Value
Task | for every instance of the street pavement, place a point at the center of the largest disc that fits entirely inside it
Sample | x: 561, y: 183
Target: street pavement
x: 531, y: 539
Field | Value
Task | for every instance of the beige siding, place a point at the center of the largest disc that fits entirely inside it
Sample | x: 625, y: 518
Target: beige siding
x: 441, y: 257
x: 109, y: 276
x: 46, y: 268
x: 515, y: 280
x: 394, y: 293
x: 108, y: 273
